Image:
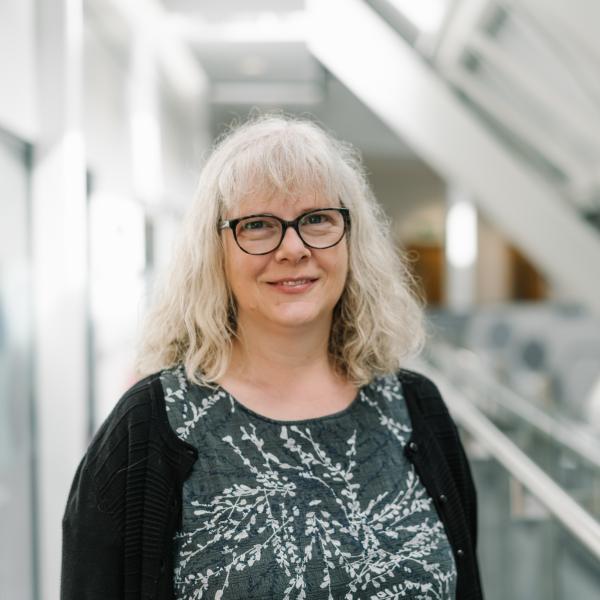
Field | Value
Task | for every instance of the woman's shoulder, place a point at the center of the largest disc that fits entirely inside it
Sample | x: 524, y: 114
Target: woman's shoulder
x: 174, y: 383
x: 422, y: 388
x: 137, y: 398
x: 148, y: 394
x: 139, y: 404
x: 412, y: 383
x: 421, y: 391
x: 422, y: 382
x: 137, y: 423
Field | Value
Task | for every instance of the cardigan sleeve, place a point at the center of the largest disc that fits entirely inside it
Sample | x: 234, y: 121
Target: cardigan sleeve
x: 92, y: 545
x: 118, y: 510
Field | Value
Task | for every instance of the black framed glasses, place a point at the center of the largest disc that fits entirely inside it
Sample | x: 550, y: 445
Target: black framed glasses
x: 318, y: 228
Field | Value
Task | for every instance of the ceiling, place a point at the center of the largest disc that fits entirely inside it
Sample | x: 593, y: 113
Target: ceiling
x: 226, y: 9
x: 264, y: 63
x: 527, y: 68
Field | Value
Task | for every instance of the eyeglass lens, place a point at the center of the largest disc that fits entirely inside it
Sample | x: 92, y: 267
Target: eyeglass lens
x: 320, y: 229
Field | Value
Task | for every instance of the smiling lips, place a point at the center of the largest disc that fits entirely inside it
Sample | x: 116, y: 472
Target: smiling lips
x: 293, y: 285
x: 293, y: 280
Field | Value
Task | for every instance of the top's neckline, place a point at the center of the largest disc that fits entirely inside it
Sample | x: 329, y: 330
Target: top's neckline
x: 335, y: 415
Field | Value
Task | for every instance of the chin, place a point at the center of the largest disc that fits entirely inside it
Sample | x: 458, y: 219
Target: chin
x: 294, y: 316
x: 294, y: 321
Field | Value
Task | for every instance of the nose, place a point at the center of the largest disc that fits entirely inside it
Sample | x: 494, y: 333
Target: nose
x: 292, y: 246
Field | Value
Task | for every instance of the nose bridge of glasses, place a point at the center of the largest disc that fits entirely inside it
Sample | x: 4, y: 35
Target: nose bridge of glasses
x: 295, y: 227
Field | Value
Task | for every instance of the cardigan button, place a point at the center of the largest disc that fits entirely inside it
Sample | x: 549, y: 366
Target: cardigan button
x: 413, y: 446
x: 443, y: 498
x: 460, y: 553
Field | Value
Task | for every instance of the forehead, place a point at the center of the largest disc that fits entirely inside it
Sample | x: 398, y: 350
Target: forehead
x: 286, y: 206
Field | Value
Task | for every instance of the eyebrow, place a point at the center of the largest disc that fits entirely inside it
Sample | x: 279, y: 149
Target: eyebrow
x: 270, y: 214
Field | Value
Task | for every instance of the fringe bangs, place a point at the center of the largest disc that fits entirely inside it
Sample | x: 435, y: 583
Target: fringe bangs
x: 279, y: 164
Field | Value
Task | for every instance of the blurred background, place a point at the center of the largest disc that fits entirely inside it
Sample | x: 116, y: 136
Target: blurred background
x: 479, y: 123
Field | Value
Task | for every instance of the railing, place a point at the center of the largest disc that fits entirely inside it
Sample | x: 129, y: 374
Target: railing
x: 474, y: 372
x: 581, y: 525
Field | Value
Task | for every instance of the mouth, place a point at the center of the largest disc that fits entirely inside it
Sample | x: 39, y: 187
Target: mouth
x: 292, y: 282
x: 293, y: 285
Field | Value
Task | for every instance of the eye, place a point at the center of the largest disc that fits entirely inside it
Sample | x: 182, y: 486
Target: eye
x: 321, y: 218
x: 256, y: 224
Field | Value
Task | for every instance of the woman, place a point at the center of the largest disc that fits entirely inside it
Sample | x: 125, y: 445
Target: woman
x: 274, y: 448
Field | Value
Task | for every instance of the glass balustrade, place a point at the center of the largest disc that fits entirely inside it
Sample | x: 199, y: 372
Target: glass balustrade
x: 525, y: 551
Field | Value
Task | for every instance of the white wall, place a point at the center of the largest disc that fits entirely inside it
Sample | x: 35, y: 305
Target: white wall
x: 17, y: 69
x: 106, y: 113
x: 67, y: 92
x: 120, y: 85
x: 185, y: 140
x: 60, y: 276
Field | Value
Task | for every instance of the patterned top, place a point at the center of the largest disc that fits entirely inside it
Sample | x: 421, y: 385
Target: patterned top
x: 321, y: 508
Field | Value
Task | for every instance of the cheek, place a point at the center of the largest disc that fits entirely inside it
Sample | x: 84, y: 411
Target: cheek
x: 339, y: 268
x: 238, y: 276
x: 242, y: 272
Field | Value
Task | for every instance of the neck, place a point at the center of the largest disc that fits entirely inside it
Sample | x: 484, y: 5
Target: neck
x: 275, y: 358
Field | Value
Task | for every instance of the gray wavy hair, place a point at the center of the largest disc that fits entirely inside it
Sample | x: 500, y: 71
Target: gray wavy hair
x: 378, y: 321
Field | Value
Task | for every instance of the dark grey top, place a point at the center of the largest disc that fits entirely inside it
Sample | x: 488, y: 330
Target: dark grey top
x: 319, y: 508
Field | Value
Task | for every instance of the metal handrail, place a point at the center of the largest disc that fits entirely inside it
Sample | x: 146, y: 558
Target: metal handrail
x: 572, y: 436
x: 567, y: 511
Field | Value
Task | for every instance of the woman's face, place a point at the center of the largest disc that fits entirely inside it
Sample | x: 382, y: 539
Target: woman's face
x: 264, y: 303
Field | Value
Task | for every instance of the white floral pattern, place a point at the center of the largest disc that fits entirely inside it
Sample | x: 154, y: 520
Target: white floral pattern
x: 322, y: 508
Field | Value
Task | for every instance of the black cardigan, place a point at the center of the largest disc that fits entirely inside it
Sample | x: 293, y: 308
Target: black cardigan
x: 124, y: 505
